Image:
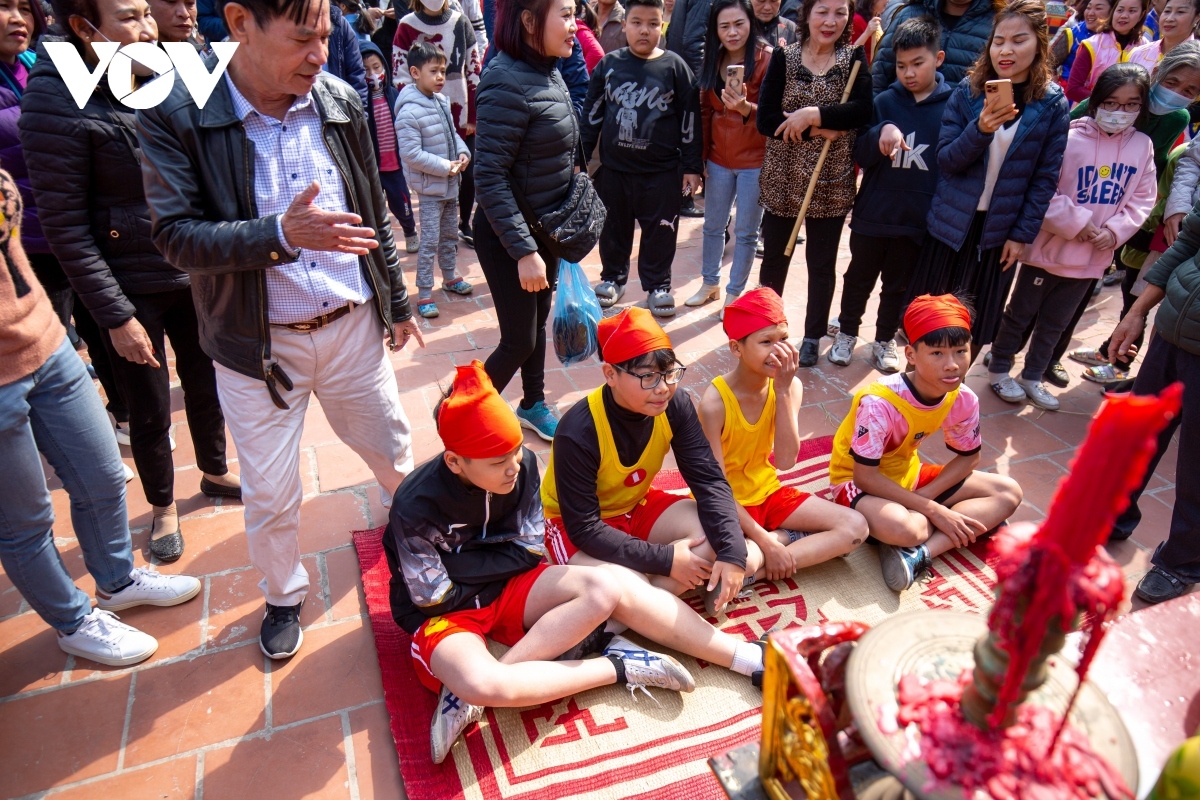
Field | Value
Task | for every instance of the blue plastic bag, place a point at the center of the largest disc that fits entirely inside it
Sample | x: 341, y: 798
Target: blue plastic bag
x: 576, y: 315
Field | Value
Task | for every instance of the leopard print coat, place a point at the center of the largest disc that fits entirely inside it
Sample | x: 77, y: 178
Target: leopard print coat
x: 788, y: 166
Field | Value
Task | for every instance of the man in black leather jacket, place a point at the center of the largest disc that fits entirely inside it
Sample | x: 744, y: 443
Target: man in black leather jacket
x: 269, y: 198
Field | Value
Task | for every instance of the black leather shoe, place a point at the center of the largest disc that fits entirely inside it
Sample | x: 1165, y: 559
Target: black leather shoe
x: 1057, y: 375
x: 1158, y: 585
x: 280, y: 636
x: 211, y: 489
x: 810, y: 351
x: 167, y: 548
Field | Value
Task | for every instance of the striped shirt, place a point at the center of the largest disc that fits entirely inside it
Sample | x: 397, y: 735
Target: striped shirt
x: 288, y: 156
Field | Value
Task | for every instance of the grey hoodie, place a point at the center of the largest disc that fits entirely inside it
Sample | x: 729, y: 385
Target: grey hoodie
x: 428, y: 143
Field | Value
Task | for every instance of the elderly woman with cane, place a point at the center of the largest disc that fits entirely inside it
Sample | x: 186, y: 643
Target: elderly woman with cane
x: 814, y: 97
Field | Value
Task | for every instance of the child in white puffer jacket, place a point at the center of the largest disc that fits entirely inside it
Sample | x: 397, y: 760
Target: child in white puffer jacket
x: 433, y: 156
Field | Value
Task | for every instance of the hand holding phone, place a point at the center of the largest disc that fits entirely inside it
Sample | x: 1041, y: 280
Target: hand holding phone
x: 734, y: 79
x: 998, y: 106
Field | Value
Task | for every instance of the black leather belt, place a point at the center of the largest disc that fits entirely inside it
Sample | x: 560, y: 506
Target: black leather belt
x: 316, y: 323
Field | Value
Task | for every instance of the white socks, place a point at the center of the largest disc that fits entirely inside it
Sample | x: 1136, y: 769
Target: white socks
x: 747, y: 658
x: 615, y: 627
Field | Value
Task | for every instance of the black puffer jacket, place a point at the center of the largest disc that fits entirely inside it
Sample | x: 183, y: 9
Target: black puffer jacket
x: 84, y: 168
x: 527, y: 132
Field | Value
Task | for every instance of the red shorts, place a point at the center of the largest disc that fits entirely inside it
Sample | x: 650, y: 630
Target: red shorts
x: 503, y: 621
x: 848, y: 494
x: 779, y: 505
x: 637, y: 522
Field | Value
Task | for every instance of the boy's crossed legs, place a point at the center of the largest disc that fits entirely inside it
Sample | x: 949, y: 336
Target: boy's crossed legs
x: 912, y: 540
x: 542, y: 614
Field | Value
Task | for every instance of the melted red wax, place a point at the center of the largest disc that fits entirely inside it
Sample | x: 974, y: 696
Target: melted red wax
x: 1047, y: 584
x: 1010, y: 763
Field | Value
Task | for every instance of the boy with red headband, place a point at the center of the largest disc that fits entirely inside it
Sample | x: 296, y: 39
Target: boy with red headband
x: 763, y: 388
x: 464, y: 543
x: 918, y: 511
x: 601, y: 509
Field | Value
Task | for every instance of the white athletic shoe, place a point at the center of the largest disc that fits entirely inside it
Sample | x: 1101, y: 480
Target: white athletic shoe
x: 884, y: 357
x: 1038, y: 394
x: 1007, y: 389
x: 128, y: 472
x: 843, y: 349
x: 150, y: 588
x: 103, y: 638
x: 450, y: 719
x: 122, y: 433
x: 647, y: 668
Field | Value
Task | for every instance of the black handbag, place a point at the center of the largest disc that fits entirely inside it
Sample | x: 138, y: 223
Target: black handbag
x: 573, y: 229
x: 570, y: 231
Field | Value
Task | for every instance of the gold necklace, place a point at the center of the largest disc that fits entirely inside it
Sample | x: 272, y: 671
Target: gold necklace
x: 828, y: 62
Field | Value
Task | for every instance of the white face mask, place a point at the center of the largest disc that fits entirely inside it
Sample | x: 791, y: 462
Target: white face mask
x: 1114, y: 121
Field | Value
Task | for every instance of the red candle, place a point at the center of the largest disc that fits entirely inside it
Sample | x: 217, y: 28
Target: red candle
x: 1106, y: 468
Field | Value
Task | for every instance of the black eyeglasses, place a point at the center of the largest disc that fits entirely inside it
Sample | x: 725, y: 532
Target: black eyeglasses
x: 650, y: 380
x: 1112, y: 105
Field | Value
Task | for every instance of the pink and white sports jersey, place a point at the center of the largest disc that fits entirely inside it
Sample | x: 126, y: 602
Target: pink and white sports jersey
x: 881, y: 428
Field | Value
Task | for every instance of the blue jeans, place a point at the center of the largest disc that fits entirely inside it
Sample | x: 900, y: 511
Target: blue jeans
x: 720, y: 188
x: 56, y: 411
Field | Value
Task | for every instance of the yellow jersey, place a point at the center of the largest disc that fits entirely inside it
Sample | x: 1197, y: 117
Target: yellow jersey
x: 619, y: 488
x: 747, y: 448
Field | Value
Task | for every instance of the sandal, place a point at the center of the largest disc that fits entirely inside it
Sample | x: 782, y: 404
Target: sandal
x: 458, y: 287
x: 608, y: 293
x: 1105, y: 373
x: 661, y: 303
x: 1091, y: 356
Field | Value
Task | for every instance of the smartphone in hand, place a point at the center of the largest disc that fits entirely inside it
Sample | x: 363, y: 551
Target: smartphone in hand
x: 734, y: 79
x: 998, y: 93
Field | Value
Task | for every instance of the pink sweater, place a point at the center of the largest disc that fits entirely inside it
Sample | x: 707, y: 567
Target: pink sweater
x: 1106, y: 180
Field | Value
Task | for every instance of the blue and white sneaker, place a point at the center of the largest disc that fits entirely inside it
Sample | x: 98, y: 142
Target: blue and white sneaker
x: 540, y: 419
x: 450, y: 719
x: 903, y: 565
x: 647, y: 668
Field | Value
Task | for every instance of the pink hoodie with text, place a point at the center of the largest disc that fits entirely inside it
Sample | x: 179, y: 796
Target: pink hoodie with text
x: 1106, y: 180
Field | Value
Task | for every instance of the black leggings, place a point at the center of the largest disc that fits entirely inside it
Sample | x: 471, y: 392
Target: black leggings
x: 522, y: 316
x: 820, y: 255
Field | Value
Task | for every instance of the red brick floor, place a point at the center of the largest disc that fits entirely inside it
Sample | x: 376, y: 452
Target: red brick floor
x: 210, y: 717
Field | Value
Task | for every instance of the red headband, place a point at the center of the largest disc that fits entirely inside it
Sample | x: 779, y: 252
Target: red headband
x: 630, y: 334
x: 753, y: 311
x: 929, y: 313
x: 475, y: 421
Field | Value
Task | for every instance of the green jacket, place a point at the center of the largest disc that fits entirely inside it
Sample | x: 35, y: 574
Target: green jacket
x: 1132, y: 257
x: 1178, y: 273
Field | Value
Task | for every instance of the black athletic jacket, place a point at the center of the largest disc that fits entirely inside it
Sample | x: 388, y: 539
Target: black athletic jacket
x: 451, y: 546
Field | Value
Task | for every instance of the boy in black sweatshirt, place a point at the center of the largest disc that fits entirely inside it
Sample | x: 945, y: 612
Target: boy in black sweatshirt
x: 642, y: 106
x: 464, y: 542
x: 898, y: 153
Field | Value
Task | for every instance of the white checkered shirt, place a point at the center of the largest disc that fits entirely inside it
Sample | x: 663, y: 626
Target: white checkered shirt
x: 288, y: 156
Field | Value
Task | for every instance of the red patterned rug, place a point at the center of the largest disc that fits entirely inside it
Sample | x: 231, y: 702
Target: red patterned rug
x: 601, y: 744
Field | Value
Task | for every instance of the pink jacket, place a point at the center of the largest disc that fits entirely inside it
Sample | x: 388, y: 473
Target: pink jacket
x: 592, y: 51
x: 1106, y: 180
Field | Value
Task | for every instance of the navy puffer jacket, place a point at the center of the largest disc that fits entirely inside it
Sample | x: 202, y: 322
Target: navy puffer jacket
x: 962, y: 44
x: 1027, y: 181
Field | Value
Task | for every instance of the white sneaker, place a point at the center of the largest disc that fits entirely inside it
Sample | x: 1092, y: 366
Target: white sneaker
x: 103, y: 638
x: 150, y: 588
x: 171, y: 439
x: 450, y: 719
x: 705, y: 294
x: 1007, y: 389
x: 647, y: 668
x: 128, y: 472
x: 843, y: 349
x: 122, y: 432
x: 1038, y: 394
x: 884, y: 357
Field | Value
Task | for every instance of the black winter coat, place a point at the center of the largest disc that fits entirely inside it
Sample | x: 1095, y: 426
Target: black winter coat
x: 963, y: 43
x: 84, y: 169
x: 528, y: 133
